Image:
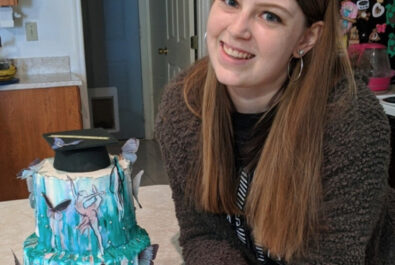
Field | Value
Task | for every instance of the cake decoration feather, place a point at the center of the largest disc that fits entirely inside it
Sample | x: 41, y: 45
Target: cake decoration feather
x: 116, y: 187
x: 136, y: 185
x: 55, y: 216
x: 59, y: 143
x: 147, y: 256
x: 15, y: 258
x: 27, y: 174
x: 58, y: 208
x: 129, y: 149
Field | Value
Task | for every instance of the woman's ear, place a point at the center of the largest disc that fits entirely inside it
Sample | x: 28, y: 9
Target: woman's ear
x: 309, y: 38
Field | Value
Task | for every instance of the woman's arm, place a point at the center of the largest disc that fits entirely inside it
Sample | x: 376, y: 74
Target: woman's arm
x: 204, y: 238
x: 355, y: 183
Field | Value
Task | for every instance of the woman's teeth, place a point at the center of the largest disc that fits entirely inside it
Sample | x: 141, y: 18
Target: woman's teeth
x: 237, y: 54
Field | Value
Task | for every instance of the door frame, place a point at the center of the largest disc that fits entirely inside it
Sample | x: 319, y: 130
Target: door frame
x: 80, y: 46
x: 202, y: 11
x: 146, y: 68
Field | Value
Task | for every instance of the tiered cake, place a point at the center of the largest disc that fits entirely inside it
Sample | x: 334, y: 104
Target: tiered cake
x: 83, y: 217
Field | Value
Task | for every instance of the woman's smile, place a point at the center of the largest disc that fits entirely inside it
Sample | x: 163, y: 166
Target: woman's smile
x: 235, y: 53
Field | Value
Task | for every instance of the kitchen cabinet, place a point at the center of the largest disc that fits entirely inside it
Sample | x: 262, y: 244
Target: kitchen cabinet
x: 8, y: 2
x: 25, y: 115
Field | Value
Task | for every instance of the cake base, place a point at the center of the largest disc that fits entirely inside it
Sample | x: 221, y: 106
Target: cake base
x: 34, y: 254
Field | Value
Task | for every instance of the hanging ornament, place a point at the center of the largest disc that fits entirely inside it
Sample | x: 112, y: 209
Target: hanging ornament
x: 349, y: 12
x: 381, y: 28
x: 363, y: 15
x: 363, y: 4
x: 354, y: 36
x: 374, y: 36
x: 378, y: 10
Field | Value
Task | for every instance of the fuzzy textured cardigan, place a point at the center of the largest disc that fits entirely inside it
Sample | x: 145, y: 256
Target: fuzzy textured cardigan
x: 358, y: 202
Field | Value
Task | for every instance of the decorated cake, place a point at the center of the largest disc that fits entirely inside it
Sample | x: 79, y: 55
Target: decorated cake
x: 86, y: 217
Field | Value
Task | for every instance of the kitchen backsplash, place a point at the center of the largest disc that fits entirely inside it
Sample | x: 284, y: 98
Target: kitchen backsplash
x: 42, y: 65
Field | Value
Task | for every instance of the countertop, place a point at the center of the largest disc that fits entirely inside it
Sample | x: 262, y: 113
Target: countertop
x: 43, y: 81
x: 157, y: 217
x: 389, y: 108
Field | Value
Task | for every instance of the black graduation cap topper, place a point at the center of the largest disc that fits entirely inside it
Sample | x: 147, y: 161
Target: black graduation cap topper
x: 80, y: 150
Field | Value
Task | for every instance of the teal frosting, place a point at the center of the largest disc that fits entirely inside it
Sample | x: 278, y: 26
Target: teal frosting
x: 96, y: 222
x: 36, y: 254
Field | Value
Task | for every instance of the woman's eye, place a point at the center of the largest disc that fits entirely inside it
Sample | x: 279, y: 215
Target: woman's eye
x: 231, y: 3
x: 271, y: 17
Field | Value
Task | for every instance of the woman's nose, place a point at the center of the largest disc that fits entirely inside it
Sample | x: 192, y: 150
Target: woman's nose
x: 240, y: 26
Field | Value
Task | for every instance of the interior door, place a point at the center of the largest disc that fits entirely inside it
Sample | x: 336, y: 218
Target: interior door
x: 172, y: 26
x: 112, y: 49
x: 180, y: 29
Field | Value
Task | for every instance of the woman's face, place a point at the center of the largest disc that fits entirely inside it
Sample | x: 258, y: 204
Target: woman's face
x: 251, y: 41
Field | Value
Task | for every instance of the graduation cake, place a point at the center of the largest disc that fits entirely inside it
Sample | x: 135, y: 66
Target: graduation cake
x: 84, y: 211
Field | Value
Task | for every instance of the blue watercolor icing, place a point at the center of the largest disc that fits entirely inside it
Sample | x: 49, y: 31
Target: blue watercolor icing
x: 36, y: 254
x: 121, y: 239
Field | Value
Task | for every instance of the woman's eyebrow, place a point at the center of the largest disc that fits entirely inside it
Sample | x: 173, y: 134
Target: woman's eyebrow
x: 276, y: 6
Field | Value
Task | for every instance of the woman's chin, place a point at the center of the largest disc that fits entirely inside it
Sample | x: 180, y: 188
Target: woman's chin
x: 230, y: 79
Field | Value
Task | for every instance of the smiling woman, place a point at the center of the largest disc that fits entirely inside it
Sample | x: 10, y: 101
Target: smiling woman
x: 269, y: 143
x: 250, y: 43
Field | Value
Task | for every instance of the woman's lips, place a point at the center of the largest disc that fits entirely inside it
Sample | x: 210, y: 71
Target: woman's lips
x: 236, y: 53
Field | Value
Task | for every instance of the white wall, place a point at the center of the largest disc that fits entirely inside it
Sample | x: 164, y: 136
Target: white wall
x: 59, y: 26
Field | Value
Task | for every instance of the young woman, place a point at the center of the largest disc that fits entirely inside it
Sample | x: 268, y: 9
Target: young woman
x: 275, y: 151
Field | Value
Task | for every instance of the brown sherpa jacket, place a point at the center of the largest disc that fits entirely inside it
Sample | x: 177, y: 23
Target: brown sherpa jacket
x: 358, y: 202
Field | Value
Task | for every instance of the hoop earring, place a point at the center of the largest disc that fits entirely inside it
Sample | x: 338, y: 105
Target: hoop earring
x: 301, y: 52
x: 205, y: 36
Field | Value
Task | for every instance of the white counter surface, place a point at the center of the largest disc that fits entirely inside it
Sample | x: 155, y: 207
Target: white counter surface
x: 43, y: 81
x: 389, y: 108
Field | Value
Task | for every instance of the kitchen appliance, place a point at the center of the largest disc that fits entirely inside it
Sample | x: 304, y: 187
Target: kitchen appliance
x: 373, y: 57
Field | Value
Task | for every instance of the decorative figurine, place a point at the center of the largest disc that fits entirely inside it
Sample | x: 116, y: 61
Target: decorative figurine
x: 349, y: 12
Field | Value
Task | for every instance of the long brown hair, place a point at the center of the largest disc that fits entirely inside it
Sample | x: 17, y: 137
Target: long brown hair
x: 284, y: 202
